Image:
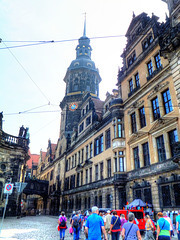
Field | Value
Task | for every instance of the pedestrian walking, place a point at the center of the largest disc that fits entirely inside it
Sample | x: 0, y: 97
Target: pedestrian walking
x: 62, y: 221
x: 165, y: 216
x: 115, y: 226
x: 107, y: 223
x: 123, y: 220
x: 95, y: 225
x: 76, y: 225
x: 178, y: 224
x: 149, y: 228
x: 130, y: 230
x: 163, y: 228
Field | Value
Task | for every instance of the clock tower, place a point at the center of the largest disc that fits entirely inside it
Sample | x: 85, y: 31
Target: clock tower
x: 81, y: 77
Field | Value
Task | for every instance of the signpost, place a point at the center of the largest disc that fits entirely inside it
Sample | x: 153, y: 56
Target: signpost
x: 8, y: 189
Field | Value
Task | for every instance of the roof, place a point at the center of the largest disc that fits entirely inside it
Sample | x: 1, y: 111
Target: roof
x: 53, y: 148
x: 34, y: 160
x: 98, y: 105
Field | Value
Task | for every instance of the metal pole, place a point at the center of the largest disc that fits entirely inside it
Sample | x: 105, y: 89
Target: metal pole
x: 7, y: 195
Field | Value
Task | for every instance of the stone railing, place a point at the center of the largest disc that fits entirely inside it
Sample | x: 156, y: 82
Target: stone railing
x: 13, y: 140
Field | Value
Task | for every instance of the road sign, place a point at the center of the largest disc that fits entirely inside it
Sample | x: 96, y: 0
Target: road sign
x: 8, y: 189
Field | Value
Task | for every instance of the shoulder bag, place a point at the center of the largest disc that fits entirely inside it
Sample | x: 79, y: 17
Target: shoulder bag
x: 128, y: 231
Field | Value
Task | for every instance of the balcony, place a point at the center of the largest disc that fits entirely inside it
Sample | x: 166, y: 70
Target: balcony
x: 118, y: 144
x: 120, y: 178
x: 13, y: 140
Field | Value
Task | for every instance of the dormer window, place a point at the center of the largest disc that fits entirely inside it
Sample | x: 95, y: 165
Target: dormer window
x: 147, y: 41
x: 131, y: 59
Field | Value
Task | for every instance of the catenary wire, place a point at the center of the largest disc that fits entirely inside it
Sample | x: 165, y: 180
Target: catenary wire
x: 78, y: 109
x: 65, y: 40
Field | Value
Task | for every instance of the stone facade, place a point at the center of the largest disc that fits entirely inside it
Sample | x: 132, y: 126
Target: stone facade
x: 13, y: 158
x: 113, y: 151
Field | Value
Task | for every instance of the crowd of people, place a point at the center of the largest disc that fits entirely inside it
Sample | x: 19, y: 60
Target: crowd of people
x: 109, y: 226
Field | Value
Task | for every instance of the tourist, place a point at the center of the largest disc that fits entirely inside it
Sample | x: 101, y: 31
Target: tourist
x: 130, y: 230
x: 115, y: 226
x: 178, y: 224
x: 62, y: 221
x: 163, y: 228
x: 149, y: 228
x: 170, y: 222
x: 107, y: 223
x: 95, y: 225
x: 76, y: 225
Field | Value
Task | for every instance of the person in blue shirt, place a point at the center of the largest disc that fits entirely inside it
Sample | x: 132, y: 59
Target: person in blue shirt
x: 163, y: 228
x: 178, y: 224
x: 94, y: 226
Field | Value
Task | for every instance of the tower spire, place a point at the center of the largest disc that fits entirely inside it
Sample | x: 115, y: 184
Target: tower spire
x: 84, y: 33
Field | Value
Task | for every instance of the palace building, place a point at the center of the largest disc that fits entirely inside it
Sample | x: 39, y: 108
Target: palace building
x: 127, y: 146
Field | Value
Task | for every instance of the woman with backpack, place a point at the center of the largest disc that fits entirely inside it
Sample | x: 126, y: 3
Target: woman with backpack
x: 62, y: 225
x: 76, y: 225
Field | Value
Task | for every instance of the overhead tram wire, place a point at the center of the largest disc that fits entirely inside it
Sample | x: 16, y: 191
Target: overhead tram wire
x: 34, y: 43
x: 26, y: 72
x: 78, y: 109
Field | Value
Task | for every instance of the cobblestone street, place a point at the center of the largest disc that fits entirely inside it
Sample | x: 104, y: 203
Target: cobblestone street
x: 34, y: 228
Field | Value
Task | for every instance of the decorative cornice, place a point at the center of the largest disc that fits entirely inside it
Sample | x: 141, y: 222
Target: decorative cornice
x: 135, y: 105
x: 157, y: 88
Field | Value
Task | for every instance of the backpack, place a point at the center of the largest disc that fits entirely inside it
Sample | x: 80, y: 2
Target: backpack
x: 62, y: 223
x: 76, y: 222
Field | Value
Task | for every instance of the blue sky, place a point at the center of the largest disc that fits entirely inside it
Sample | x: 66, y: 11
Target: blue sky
x: 32, y: 76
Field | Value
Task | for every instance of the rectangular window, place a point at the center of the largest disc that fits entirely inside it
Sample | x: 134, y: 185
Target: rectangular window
x: 72, y: 161
x: 155, y: 108
x: 138, y: 194
x: 136, y: 158
x: 119, y: 130
x: 91, y: 150
x: 137, y: 80
x: 109, y: 168
x: 167, y: 101
x: 101, y: 144
x: 100, y: 201
x: 51, y: 176
x: 166, y: 196
x: 96, y: 173
x: 176, y: 188
x: 130, y: 85
x: 146, y: 156
x: 81, y: 178
x: 87, y: 151
x: 108, y: 138
x: 150, y: 67
x: 81, y: 127
x: 79, y: 157
x: 82, y: 155
x: 75, y: 159
x: 78, y: 177
x: 86, y: 176
x: 115, y: 133
x: 98, y: 145
x: 90, y: 175
x: 115, y: 163
x: 121, y: 164
x: 147, y: 195
x: 173, y: 138
x: 157, y: 61
x: 161, y: 148
x: 101, y: 170
x: 133, y: 122
x: 142, y: 117
x: 88, y: 120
